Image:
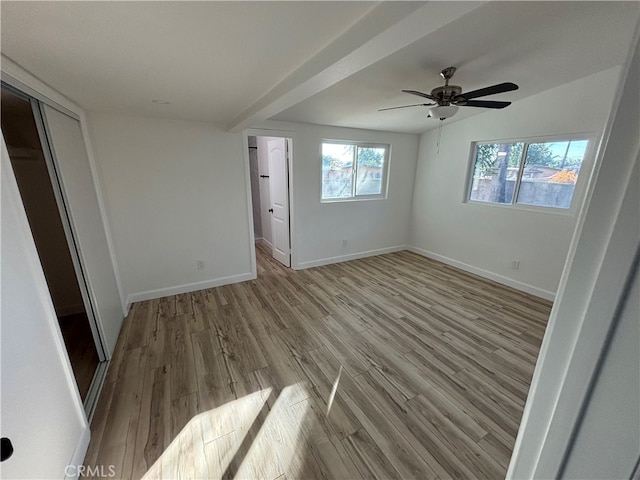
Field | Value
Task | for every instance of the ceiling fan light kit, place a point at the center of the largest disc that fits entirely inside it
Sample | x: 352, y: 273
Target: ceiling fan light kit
x: 448, y: 98
x: 443, y: 112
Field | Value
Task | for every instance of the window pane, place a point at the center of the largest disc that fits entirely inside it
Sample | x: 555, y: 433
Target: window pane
x: 369, y: 170
x: 337, y: 170
x: 550, y: 173
x: 495, y: 171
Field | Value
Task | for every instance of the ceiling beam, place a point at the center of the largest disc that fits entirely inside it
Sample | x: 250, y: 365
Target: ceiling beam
x: 385, y: 29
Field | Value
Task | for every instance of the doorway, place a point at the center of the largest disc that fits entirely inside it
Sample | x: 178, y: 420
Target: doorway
x: 270, y: 174
x: 46, y: 212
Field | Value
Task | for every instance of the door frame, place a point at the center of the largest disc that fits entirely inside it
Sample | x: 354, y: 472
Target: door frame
x: 66, y: 220
x: 18, y: 79
x: 68, y: 227
x: 290, y: 136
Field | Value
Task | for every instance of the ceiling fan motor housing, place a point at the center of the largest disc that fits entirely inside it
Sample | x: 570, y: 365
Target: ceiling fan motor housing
x: 446, y: 93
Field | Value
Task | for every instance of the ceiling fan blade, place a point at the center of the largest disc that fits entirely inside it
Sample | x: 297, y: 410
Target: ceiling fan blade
x: 484, y: 104
x: 420, y: 94
x: 406, y: 106
x: 492, y: 90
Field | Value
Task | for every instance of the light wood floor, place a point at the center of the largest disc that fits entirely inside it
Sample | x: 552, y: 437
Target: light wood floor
x: 388, y: 367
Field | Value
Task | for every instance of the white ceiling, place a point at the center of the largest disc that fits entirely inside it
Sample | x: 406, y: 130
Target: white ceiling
x: 238, y: 63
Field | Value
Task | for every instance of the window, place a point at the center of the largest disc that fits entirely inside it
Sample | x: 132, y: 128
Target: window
x: 353, y: 171
x: 542, y: 174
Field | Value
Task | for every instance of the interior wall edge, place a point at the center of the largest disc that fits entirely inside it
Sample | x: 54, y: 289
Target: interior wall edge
x: 104, y: 212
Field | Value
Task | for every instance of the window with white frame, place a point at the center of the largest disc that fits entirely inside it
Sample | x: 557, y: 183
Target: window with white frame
x: 532, y: 173
x: 353, y: 170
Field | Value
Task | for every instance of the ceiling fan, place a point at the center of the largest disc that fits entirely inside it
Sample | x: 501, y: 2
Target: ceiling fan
x: 448, y: 98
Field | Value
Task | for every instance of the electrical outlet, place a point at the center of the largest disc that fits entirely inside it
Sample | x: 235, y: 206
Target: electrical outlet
x: 344, y: 243
x: 199, y: 264
x: 515, y: 264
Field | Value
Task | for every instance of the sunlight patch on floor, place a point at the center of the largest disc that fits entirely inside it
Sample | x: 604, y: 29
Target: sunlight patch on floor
x: 275, y: 449
x: 333, y: 391
x: 186, y: 456
x: 240, y: 439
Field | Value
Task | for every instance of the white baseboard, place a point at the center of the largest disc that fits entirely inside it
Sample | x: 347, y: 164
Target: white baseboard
x: 72, y: 471
x: 346, y: 258
x: 190, y: 287
x: 510, y: 282
x: 264, y: 241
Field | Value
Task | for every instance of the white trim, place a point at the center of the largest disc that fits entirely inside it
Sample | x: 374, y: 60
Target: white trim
x: 345, y: 258
x: 510, y: 282
x: 78, y: 455
x: 384, y: 181
x: 587, y: 166
x: 264, y: 241
x: 16, y: 76
x: 188, y: 287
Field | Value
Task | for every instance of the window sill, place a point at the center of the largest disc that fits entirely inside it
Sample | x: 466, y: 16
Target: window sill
x: 564, y: 212
x: 352, y: 199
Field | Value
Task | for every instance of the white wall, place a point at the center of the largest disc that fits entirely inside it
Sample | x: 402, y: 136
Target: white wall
x: 41, y: 408
x: 175, y: 192
x: 370, y: 227
x: 485, y: 238
x: 600, y: 256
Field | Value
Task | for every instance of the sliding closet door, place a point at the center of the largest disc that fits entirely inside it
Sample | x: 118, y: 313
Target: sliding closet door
x: 65, y: 138
x: 42, y: 412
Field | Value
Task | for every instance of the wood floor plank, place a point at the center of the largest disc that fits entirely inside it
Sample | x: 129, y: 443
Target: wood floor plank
x: 99, y: 423
x: 159, y: 435
x: 385, y: 434
x: 140, y: 465
x: 450, y: 439
x: 368, y: 458
x: 394, y: 366
x: 457, y: 394
x: 219, y: 453
x: 183, y: 372
x: 496, y: 450
x: 337, y: 415
x: 141, y: 325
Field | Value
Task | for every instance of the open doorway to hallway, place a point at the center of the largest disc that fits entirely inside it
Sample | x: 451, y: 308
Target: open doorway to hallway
x: 269, y: 166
